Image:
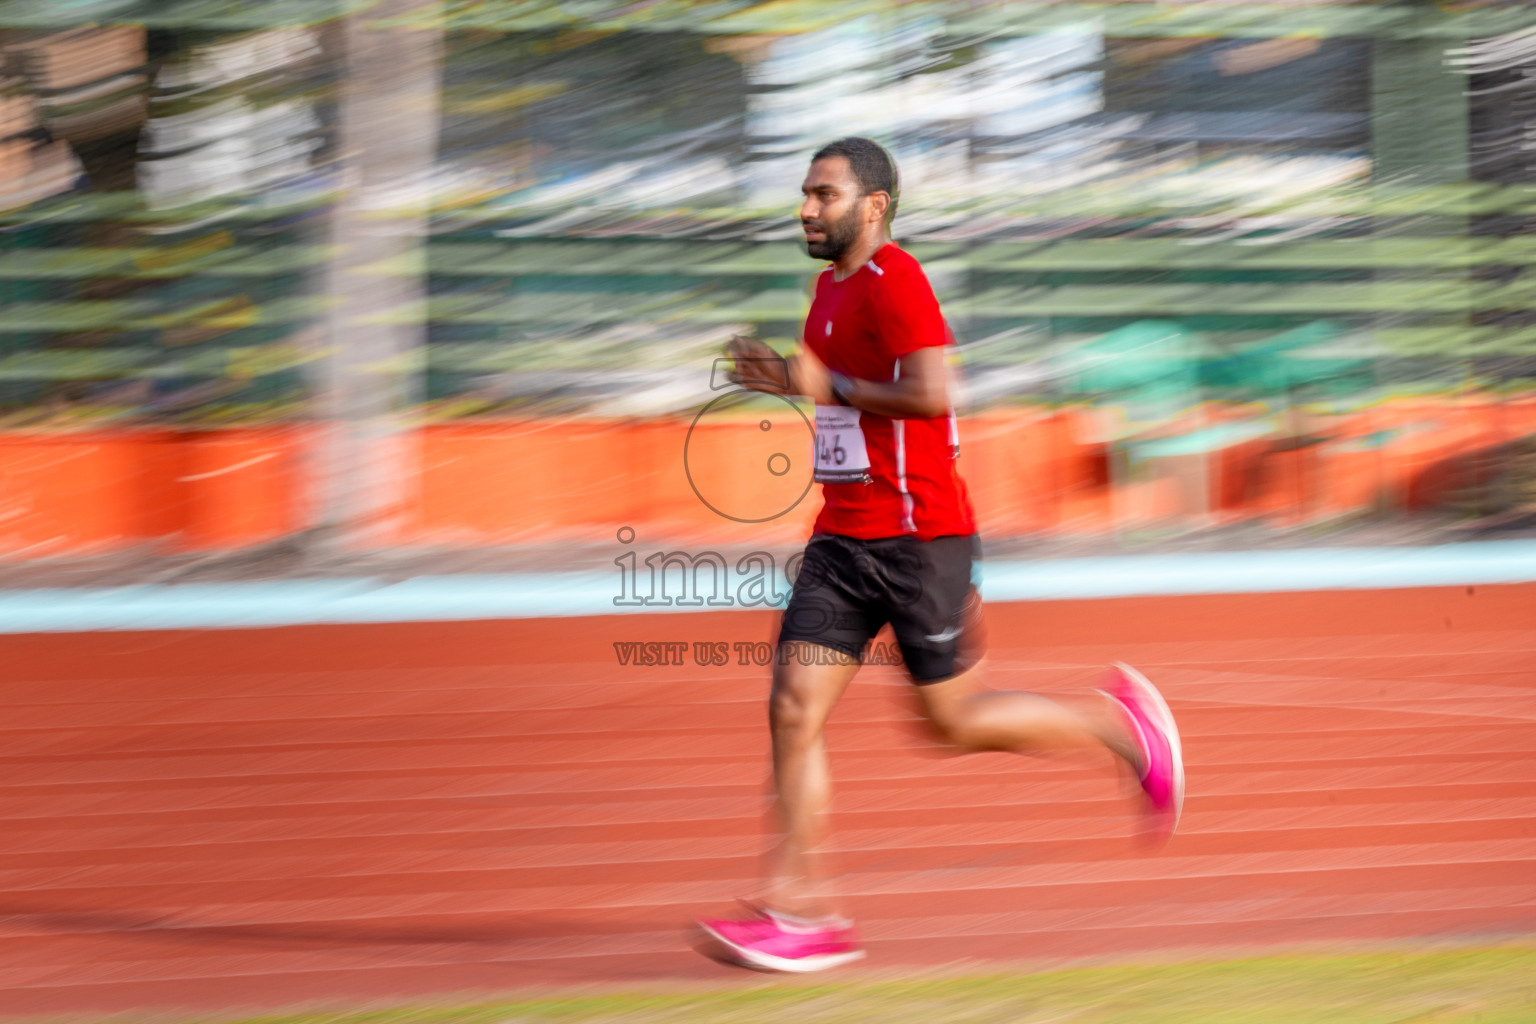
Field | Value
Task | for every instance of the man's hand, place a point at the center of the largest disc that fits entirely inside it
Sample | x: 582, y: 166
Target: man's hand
x: 762, y: 369
x: 757, y: 366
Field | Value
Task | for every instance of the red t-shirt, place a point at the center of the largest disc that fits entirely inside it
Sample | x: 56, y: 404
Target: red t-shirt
x: 861, y: 326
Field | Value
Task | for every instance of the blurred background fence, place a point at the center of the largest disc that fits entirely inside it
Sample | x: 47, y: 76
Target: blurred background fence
x: 371, y: 274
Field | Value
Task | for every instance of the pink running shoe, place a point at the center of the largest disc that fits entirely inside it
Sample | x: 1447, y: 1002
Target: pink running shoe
x: 1156, y: 735
x: 767, y: 941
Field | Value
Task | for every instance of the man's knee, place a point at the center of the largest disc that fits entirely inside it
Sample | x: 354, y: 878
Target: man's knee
x: 949, y: 718
x: 804, y: 691
x: 948, y: 726
x: 788, y: 709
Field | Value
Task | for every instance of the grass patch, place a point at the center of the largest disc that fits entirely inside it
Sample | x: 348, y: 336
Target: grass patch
x: 1495, y: 985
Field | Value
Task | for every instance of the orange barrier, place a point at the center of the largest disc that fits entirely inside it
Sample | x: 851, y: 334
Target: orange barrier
x: 1012, y: 470
x: 1081, y: 499
x: 1406, y: 453
x: 238, y: 487
x: 1030, y: 470
x: 82, y: 492
x: 562, y: 479
x: 487, y: 484
x: 96, y: 491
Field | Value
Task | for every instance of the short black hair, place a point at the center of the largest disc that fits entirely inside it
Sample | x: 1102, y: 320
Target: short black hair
x: 873, y: 168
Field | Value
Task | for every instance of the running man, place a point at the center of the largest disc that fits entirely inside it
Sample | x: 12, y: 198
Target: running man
x: 894, y: 543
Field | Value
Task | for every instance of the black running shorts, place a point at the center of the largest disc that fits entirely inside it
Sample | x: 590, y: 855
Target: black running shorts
x: 847, y: 589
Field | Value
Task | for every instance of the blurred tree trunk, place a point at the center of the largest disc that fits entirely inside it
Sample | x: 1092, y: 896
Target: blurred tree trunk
x: 371, y: 373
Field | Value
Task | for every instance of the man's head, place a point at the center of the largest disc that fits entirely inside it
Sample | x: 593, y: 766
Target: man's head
x: 850, y: 194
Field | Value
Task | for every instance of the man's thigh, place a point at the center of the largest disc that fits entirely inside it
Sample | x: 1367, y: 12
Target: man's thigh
x: 828, y: 607
x: 933, y: 629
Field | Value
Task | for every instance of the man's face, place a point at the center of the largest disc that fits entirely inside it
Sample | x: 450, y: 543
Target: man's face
x: 833, y: 212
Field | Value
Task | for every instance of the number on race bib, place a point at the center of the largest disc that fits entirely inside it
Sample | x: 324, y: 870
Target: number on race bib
x: 841, y: 456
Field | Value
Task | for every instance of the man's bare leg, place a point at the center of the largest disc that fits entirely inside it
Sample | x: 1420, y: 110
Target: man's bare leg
x: 967, y: 715
x: 805, y: 690
x: 963, y: 713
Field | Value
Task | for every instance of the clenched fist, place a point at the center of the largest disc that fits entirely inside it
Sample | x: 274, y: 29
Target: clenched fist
x: 760, y: 368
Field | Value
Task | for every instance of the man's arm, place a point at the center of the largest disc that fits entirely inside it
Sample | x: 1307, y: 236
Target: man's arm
x: 760, y: 368
x: 921, y: 390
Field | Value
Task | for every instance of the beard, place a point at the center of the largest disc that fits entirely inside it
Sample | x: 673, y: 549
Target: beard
x: 836, y: 238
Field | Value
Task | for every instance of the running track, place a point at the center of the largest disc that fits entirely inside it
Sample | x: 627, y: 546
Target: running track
x: 253, y: 818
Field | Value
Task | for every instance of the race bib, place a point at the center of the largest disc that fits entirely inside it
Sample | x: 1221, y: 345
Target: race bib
x: 841, y: 457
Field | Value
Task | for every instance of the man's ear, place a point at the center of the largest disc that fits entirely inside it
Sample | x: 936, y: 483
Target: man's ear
x: 879, y: 203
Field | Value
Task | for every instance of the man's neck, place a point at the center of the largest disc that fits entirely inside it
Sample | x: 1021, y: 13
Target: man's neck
x: 858, y: 255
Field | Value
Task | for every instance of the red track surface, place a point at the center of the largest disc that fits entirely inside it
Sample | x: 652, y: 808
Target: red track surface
x: 264, y: 817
